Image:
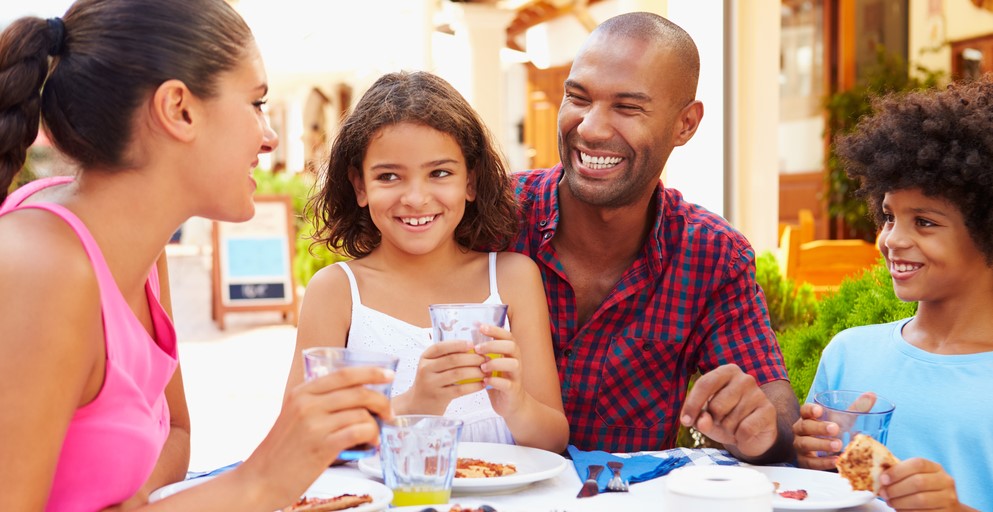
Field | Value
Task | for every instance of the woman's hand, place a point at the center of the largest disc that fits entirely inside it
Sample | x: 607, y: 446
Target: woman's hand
x: 319, y: 419
x: 506, y: 388
x: 441, y: 374
x: 919, y: 484
x: 811, y: 435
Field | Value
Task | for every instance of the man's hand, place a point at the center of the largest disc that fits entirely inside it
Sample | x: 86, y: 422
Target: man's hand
x: 728, y: 406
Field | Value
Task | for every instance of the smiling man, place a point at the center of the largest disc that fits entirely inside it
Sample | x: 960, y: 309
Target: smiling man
x: 644, y: 288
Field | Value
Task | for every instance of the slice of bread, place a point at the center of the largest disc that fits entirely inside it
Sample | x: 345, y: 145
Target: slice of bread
x: 863, y: 460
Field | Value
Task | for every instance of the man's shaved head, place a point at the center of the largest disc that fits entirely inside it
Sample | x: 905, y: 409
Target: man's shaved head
x: 666, y: 35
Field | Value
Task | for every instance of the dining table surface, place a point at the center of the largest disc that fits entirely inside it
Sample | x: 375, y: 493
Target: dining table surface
x: 558, y: 494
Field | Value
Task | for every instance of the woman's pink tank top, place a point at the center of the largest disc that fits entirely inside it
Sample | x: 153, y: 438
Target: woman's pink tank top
x: 114, y: 441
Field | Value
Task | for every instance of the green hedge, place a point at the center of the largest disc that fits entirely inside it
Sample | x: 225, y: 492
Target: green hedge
x: 866, y: 299
x: 789, y: 305
x: 805, y: 325
x: 299, y: 186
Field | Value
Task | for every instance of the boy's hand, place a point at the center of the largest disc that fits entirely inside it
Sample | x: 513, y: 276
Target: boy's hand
x: 811, y: 435
x: 919, y: 484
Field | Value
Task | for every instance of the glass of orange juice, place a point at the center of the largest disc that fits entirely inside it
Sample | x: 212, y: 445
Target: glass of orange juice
x: 462, y: 321
x: 419, y: 454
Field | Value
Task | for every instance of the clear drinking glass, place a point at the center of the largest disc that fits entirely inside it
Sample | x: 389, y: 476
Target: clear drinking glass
x: 419, y: 454
x: 321, y: 361
x: 856, y: 412
x: 462, y: 321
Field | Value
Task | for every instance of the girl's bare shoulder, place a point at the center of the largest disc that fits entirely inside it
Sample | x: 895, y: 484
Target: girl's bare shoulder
x: 513, y: 262
x: 330, y: 279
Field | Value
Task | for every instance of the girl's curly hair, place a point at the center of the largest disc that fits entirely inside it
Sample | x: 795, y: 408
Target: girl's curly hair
x: 422, y: 98
x: 939, y: 142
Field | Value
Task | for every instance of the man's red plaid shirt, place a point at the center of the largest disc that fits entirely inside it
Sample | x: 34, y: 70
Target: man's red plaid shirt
x: 689, y: 302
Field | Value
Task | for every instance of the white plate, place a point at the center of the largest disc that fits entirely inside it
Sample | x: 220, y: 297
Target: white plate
x: 326, y: 486
x: 825, y: 490
x: 447, y: 507
x: 533, y: 465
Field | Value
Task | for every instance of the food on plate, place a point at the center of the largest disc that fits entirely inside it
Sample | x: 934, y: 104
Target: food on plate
x: 795, y: 494
x: 863, y: 460
x: 791, y: 494
x: 481, y: 508
x: 313, y: 504
x: 477, y: 468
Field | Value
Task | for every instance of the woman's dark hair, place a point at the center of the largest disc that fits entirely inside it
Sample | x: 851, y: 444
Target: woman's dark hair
x: 422, y: 98
x: 938, y: 142
x: 107, y: 57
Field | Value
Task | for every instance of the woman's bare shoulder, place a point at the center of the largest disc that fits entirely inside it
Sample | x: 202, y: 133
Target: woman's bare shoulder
x: 39, y: 249
x: 46, y: 274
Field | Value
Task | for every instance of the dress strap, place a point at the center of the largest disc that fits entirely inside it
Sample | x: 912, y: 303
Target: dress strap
x: 18, y: 196
x: 91, y: 248
x: 493, y: 275
x: 352, y: 283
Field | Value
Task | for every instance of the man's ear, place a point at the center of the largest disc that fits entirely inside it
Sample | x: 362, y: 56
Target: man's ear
x: 688, y: 122
x: 470, y: 186
x: 175, y: 110
x: 358, y: 184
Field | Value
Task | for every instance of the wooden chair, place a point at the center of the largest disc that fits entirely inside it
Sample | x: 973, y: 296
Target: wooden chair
x: 804, y: 230
x: 823, y: 263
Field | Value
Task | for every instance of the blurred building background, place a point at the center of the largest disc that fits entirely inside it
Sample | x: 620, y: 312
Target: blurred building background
x: 768, y: 67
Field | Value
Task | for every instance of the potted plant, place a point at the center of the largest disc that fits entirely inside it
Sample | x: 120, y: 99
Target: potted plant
x: 890, y: 74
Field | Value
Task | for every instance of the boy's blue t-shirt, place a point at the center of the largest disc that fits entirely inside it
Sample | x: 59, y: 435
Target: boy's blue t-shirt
x: 944, y: 411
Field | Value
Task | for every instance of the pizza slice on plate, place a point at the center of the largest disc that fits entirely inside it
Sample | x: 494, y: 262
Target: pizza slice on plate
x: 476, y: 468
x: 863, y: 460
x: 313, y: 504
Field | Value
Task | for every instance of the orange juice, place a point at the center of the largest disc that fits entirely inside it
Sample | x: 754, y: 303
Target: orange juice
x: 494, y: 374
x: 407, y: 496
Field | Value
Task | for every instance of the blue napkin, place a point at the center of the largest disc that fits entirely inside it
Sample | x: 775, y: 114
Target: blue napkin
x: 637, y: 468
x: 190, y: 475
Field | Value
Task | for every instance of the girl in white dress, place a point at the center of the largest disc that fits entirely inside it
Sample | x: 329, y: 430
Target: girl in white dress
x: 413, y: 187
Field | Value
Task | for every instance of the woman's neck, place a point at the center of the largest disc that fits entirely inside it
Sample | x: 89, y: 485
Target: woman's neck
x: 129, y: 217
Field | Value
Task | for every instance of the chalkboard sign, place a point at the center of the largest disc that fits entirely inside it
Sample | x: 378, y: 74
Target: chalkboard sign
x: 253, y: 262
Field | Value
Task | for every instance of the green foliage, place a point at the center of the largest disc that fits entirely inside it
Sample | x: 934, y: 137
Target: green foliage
x: 296, y: 185
x: 309, y: 257
x: 867, y: 299
x: 789, y: 305
x: 25, y: 175
x: 890, y: 73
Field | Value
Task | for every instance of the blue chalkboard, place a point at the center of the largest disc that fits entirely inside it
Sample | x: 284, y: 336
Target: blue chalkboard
x: 257, y: 257
x: 254, y: 259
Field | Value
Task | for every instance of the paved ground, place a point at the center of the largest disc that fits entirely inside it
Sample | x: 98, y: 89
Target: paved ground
x: 234, y: 378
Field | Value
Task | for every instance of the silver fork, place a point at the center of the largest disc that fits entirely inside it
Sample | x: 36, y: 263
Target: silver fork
x: 616, y: 483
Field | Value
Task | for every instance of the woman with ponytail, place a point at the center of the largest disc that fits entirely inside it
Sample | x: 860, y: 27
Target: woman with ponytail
x: 159, y: 103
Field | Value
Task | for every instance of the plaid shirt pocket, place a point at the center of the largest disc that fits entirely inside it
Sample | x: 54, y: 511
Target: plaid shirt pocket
x: 635, y: 388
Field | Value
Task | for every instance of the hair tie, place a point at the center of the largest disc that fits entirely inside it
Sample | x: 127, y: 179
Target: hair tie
x: 57, y: 29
